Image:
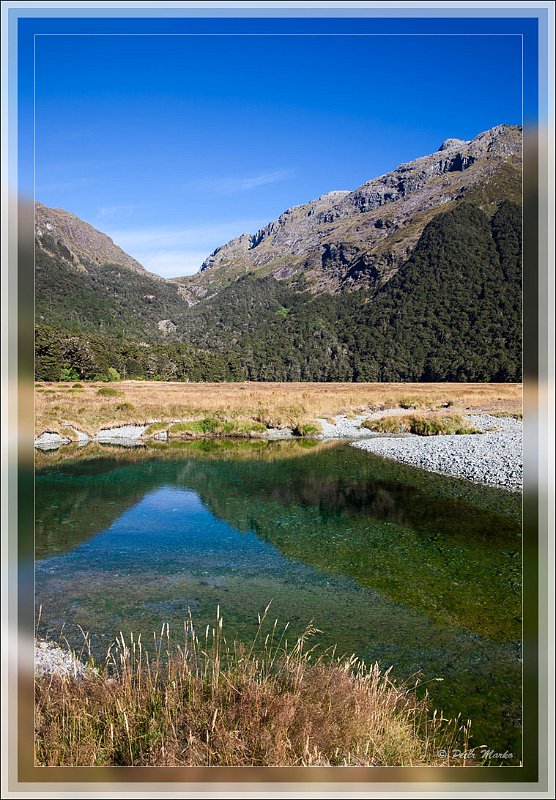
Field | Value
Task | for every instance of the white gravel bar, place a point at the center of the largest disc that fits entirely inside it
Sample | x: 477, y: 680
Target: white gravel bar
x: 494, y: 457
x: 50, y: 440
x: 344, y: 427
x: 128, y: 432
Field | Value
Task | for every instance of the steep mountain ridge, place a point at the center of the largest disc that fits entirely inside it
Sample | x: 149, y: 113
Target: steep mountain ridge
x: 78, y: 244
x: 344, y: 240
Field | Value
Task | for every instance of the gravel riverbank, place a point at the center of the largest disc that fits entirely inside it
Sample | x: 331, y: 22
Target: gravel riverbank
x: 493, y: 457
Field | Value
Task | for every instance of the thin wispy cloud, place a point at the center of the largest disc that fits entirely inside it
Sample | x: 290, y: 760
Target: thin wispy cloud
x: 115, y: 212
x: 231, y: 185
x: 171, y: 250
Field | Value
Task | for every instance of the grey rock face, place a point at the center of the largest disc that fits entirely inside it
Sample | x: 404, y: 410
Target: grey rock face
x: 324, y: 239
x: 447, y: 144
x: 166, y: 326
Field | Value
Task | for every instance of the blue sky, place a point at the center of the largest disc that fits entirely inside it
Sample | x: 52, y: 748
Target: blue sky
x: 175, y: 144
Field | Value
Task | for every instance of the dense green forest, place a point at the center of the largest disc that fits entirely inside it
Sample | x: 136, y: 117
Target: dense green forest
x: 451, y: 313
x: 60, y: 353
x: 108, y: 299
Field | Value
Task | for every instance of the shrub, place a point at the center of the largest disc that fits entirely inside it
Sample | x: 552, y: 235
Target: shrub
x: 242, y: 427
x: 194, y: 426
x: 443, y: 424
x: 107, y: 391
x: 113, y: 374
x: 387, y: 424
x: 125, y: 407
x: 69, y: 374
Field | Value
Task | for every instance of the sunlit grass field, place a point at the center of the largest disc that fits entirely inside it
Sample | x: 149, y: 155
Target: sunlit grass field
x: 91, y: 406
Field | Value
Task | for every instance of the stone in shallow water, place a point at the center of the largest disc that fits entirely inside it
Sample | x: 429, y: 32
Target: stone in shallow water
x: 50, y: 439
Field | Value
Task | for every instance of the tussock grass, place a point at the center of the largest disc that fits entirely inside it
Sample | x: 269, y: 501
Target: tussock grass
x: 411, y: 402
x: 125, y: 407
x: 272, y: 404
x: 422, y: 424
x: 156, y: 427
x: 202, y: 702
x: 212, y: 426
x: 307, y: 429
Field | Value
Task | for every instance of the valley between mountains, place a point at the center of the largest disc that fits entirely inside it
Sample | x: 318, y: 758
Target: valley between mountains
x: 413, y: 276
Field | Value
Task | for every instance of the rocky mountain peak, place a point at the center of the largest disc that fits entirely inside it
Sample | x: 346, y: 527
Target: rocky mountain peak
x: 447, y: 144
x: 346, y: 238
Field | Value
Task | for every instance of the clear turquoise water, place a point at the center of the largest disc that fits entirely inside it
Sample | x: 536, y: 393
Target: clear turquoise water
x: 411, y: 569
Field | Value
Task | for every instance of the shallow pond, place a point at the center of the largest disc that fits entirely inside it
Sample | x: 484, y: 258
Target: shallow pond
x: 400, y: 566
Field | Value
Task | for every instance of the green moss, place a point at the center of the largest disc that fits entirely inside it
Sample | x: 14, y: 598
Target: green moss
x: 107, y: 391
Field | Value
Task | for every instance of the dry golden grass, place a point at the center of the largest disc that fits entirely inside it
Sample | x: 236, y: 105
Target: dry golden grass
x: 432, y: 424
x: 206, y: 704
x: 279, y: 404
